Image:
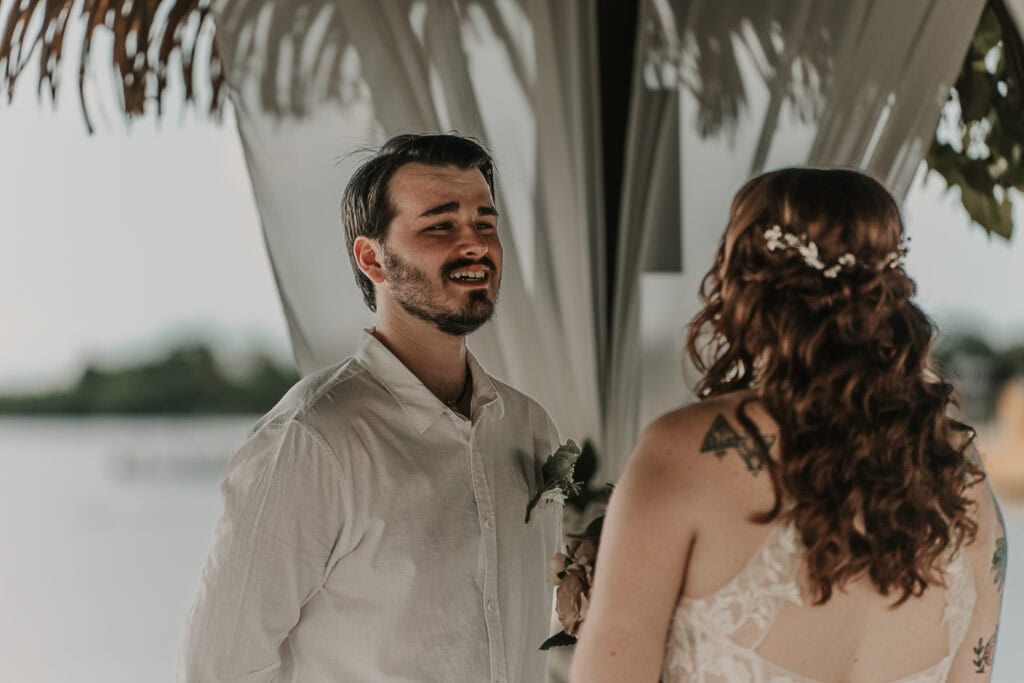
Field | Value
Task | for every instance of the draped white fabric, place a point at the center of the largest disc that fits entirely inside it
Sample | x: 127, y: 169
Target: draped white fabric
x: 520, y: 76
x: 1016, y: 9
x: 722, y: 89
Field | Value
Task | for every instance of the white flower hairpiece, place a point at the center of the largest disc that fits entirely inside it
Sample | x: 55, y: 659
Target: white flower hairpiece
x: 777, y: 240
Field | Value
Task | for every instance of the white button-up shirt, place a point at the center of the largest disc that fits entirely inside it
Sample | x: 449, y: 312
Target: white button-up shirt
x: 370, y: 533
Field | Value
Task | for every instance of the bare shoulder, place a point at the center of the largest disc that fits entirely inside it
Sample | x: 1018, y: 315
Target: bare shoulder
x: 689, y: 448
x: 991, y: 536
x: 986, y: 512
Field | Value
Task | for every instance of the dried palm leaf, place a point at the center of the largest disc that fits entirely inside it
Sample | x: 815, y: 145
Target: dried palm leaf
x: 146, y: 36
x: 290, y: 43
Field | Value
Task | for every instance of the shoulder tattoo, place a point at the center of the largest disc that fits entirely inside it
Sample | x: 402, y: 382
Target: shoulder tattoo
x: 721, y: 438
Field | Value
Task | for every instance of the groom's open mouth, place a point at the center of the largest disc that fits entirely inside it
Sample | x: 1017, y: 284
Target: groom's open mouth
x: 471, y: 276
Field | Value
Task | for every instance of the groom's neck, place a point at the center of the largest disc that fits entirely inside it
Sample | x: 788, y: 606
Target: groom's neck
x: 437, y: 359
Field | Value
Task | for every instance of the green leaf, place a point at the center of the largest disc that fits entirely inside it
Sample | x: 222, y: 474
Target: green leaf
x: 988, y: 34
x: 990, y: 116
x: 991, y: 214
x: 999, y: 563
x: 976, y: 98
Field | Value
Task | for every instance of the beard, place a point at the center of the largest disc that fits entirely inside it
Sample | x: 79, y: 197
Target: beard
x: 419, y: 296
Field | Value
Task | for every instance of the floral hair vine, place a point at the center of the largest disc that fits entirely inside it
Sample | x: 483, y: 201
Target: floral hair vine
x: 777, y: 240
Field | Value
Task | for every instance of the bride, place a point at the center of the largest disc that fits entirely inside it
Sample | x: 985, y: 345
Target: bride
x: 817, y: 516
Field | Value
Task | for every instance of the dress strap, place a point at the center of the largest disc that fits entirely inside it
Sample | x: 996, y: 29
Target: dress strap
x: 783, y: 556
x: 753, y: 597
x: 960, y: 598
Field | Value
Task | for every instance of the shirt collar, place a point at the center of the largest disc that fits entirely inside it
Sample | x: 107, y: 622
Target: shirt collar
x: 421, y: 406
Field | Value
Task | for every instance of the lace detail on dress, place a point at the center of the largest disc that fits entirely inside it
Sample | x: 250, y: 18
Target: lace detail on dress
x: 960, y: 597
x: 756, y: 594
x: 701, y: 647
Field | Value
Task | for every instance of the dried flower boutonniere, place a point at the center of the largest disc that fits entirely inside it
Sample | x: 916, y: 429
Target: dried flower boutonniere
x: 573, y: 574
x: 558, y: 477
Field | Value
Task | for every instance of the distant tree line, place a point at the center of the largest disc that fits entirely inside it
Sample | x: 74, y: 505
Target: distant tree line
x: 978, y: 370
x: 187, y: 381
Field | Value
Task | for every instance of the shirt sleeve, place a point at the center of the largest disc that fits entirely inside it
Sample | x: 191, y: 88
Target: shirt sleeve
x: 283, y: 515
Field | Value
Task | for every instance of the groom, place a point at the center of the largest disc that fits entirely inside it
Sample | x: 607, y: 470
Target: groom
x: 373, y: 520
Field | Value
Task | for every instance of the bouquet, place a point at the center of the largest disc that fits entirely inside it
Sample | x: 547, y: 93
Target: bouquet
x: 572, y: 572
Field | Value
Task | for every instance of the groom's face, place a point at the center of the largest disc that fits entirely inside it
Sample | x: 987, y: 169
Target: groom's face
x: 442, y: 254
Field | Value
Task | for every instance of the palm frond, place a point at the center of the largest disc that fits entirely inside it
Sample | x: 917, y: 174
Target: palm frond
x: 147, y: 37
x: 296, y: 46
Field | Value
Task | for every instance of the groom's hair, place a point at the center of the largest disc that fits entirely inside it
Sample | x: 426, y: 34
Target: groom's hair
x: 366, y: 206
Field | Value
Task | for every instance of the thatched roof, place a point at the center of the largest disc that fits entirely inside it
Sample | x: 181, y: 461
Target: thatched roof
x: 152, y: 37
x: 148, y: 37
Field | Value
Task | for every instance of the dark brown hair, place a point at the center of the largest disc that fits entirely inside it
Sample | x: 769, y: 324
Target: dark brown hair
x: 366, y: 206
x: 873, y: 472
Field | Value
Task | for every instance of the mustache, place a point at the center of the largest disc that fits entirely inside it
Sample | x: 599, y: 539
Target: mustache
x: 459, y: 264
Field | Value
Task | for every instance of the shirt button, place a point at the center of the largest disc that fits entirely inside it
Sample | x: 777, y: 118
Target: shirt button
x: 492, y: 606
x: 488, y: 522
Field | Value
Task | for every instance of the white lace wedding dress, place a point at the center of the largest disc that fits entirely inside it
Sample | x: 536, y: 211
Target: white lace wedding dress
x: 704, y: 643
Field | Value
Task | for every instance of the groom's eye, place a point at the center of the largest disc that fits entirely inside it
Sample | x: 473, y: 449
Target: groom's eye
x: 440, y: 226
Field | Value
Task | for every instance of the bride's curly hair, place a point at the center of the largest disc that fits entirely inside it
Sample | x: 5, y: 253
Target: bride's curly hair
x: 873, y: 470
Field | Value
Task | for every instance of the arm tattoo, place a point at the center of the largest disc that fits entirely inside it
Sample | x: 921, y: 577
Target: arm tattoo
x: 999, y: 556
x: 984, y: 652
x: 998, y: 569
x: 999, y: 563
x: 721, y: 437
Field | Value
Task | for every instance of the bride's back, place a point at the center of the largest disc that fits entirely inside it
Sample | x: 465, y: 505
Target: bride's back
x: 747, y: 609
x: 817, y: 516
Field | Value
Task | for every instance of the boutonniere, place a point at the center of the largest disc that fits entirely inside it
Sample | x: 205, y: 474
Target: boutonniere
x: 558, y: 477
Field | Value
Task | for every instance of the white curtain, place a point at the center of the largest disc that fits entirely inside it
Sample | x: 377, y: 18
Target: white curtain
x: 1016, y: 9
x: 517, y: 74
x: 722, y: 90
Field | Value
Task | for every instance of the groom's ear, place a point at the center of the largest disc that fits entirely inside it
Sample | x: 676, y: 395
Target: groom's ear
x: 366, y: 252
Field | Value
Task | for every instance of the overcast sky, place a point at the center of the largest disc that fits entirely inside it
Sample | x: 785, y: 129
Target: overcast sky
x: 115, y: 245
x: 121, y: 242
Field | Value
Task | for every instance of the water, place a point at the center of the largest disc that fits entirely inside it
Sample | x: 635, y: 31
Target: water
x: 104, y: 528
